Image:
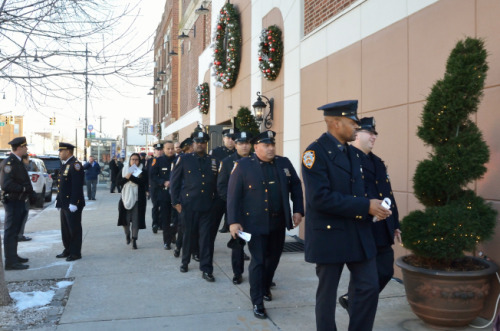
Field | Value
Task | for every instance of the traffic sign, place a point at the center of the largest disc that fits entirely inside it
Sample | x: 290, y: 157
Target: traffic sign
x: 90, y: 127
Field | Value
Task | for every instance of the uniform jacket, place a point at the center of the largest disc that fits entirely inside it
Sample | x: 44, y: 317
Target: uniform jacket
x: 92, y: 172
x: 160, y: 173
x: 193, y: 181
x: 225, y: 168
x: 221, y: 152
x: 338, y: 227
x: 247, y: 199
x: 378, y: 186
x: 14, y: 179
x: 141, y: 201
x: 70, y: 185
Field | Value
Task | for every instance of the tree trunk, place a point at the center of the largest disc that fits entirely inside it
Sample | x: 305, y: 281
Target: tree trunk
x: 4, y: 291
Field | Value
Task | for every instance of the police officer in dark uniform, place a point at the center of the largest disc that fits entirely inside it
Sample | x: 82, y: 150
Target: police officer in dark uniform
x: 220, y: 153
x: 258, y: 202
x: 193, y: 186
x: 154, y: 190
x: 70, y: 201
x: 160, y: 176
x: 243, y: 147
x: 16, y: 189
x: 377, y: 186
x: 339, y: 225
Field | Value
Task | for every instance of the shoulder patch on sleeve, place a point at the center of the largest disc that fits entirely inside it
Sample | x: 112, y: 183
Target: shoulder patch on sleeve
x: 234, y: 167
x: 308, y: 159
x: 7, y: 169
x: 78, y: 166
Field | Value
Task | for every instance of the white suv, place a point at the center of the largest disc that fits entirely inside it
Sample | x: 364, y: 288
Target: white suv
x: 41, y: 181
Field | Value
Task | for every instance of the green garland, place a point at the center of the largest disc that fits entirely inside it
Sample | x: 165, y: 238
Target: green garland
x: 270, y: 52
x: 203, y: 91
x: 227, y: 61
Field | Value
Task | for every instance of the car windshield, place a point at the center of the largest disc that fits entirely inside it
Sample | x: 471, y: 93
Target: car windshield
x: 52, y: 164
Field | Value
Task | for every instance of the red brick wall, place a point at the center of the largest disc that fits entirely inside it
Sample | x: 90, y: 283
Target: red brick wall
x: 318, y: 11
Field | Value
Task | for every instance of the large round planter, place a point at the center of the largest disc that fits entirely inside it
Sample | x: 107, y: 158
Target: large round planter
x: 445, y: 299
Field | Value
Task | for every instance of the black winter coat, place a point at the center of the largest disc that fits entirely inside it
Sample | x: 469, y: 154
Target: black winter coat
x: 122, y: 212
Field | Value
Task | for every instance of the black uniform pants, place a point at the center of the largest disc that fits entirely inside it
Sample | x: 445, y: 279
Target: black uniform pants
x: 166, y: 221
x: 197, y: 227
x: 71, y: 231
x: 266, y: 253
x: 219, y: 211
x: 363, y: 294
x: 15, y: 210
x: 238, y: 259
x: 155, y: 213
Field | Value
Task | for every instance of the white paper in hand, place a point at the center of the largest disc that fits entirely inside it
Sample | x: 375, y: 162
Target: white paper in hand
x: 137, y: 172
x: 386, y: 203
x: 132, y: 169
x: 244, y: 235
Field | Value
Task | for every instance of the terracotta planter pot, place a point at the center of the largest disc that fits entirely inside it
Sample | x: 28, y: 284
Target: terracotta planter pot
x: 446, y: 298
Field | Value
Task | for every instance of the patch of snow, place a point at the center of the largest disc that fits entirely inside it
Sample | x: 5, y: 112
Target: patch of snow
x: 25, y: 300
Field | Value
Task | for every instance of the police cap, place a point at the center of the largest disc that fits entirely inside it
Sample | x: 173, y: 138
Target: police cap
x: 65, y: 146
x: 243, y: 137
x: 229, y: 132
x: 19, y: 141
x: 158, y: 146
x: 266, y: 137
x: 367, y: 124
x: 186, y: 142
x: 346, y: 108
x: 200, y: 137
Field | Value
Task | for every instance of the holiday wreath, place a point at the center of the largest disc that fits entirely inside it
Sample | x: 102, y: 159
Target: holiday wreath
x: 270, y: 52
x: 203, y: 97
x: 227, y: 43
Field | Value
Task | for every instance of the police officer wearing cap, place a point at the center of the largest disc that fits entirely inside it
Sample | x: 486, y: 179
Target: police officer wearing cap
x: 339, y: 220
x: 154, y: 189
x: 258, y: 202
x: 70, y: 201
x: 243, y: 147
x: 193, y: 186
x: 16, y: 189
x: 160, y: 176
x: 221, y: 153
x: 377, y: 186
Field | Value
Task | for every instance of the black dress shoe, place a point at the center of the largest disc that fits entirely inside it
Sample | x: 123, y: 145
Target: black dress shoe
x: 167, y: 247
x: 155, y: 229
x: 259, y: 311
x: 246, y: 257
x: 177, y: 252
x: 268, y: 296
x: 224, y: 229
x: 62, y: 255
x: 196, y: 257
x: 73, y: 258
x: 184, y: 268
x: 24, y: 238
x: 237, y: 279
x: 208, y: 277
x: 16, y: 266
x: 22, y: 259
x: 344, y: 301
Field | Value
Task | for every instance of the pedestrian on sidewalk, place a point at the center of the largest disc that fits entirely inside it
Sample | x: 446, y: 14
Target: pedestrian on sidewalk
x: 113, y: 167
x: 92, y: 171
x: 70, y: 201
x: 132, y: 205
x: 16, y: 189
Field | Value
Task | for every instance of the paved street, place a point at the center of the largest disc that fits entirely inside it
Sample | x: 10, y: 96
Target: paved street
x: 117, y: 288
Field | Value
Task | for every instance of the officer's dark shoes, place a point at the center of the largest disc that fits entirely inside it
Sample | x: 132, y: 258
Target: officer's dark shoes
x: 22, y: 259
x: 184, y: 268
x: 73, y: 258
x: 208, y: 277
x: 177, y: 252
x: 155, y: 229
x: 245, y: 257
x: 224, y: 229
x: 259, y: 311
x: 167, y: 247
x: 62, y: 255
x: 344, y: 301
x: 196, y: 257
x: 24, y: 238
x: 268, y: 296
x: 16, y: 266
x: 237, y: 279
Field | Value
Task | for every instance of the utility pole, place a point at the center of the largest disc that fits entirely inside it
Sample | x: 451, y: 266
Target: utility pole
x: 86, y: 97
x: 100, y: 123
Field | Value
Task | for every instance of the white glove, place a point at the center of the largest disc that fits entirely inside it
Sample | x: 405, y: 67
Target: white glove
x: 73, y: 208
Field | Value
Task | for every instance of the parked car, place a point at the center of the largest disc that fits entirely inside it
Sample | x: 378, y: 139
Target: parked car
x: 53, y: 166
x: 42, y: 183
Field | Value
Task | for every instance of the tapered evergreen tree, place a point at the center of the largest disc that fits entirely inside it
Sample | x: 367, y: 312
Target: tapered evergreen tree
x: 455, y: 219
x: 245, y: 121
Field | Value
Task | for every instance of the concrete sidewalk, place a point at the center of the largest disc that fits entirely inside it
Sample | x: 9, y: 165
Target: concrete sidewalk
x: 117, y: 288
